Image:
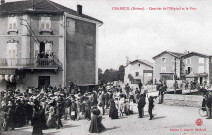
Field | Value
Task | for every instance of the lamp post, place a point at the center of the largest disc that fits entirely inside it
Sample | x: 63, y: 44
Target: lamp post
x: 175, y: 76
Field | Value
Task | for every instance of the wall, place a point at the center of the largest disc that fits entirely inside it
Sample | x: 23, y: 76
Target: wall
x: 183, y: 100
x: 31, y: 78
x: 195, y: 63
x: 210, y: 70
x: 170, y: 66
x: 133, y: 68
x: 81, y: 52
x: 55, y: 26
x: 4, y: 36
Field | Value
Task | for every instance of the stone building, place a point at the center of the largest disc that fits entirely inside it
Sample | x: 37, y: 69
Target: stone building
x: 164, y: 66
x: 45, y: 43
x: 138, y: 71
x: 196, y: 67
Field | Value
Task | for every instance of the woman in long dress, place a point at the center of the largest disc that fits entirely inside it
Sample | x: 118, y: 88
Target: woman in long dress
x: 51, y: 122
x: 113, y: 110
x: 96, y: 125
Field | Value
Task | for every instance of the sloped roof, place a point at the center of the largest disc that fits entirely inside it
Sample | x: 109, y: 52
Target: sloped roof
x: 145, y: 62
x: 40, y: 6
x: 194, y: 53
x: 175, y: 54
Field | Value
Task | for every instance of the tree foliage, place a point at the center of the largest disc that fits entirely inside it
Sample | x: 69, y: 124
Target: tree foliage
x: 111, y: 75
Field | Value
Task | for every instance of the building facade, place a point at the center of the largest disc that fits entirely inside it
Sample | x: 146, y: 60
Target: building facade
x: 44, y: 43
x: 138, y: 71
x: 166, y: 65
x: 196, y: 67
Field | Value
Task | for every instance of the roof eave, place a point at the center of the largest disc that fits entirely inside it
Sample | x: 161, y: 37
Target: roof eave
x: 99, y: 23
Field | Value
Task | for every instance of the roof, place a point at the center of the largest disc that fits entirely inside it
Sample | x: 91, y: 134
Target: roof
x: 145, y: 62
x: 40, y: 6
x: 175, y: 54
x: 196, y: 54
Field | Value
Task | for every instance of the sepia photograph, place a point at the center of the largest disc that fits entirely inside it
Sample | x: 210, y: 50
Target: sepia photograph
x: 108, y: 67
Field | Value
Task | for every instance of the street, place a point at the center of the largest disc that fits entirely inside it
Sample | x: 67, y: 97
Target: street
x: 168, y: 120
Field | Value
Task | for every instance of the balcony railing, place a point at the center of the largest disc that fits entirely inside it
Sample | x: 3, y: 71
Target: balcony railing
x: 29, y: 63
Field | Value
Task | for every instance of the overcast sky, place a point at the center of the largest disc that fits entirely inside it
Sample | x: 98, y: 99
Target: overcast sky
x: 144, y: 34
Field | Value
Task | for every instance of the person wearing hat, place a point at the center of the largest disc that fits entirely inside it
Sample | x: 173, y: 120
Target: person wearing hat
x: 96, y: 125
x: 113, y: 114
x: 73, y: 109
x: 67, y: 108
x: 59, y: 113
x: 87, y: 108
x: 29, y: 111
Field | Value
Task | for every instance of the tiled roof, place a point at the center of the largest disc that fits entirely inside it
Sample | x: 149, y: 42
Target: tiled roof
x: 143, y: 61
x: 40, y: 6
x: 194, y: 53
x: 72, y: 12
x: 175, y: 54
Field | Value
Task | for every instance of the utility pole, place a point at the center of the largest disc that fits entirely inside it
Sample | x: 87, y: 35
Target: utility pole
x: 175, y: 76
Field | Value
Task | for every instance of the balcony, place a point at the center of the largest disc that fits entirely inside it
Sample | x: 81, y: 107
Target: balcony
x: 30, y: 63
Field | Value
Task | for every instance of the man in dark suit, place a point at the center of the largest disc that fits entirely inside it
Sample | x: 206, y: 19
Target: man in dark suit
x: 208, y: 101
x: 151, y: 106
x: 141, y: 104
x: 59, y: 112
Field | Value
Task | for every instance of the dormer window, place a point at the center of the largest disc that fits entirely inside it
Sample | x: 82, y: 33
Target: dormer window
x: 12, y: 24
x: 45, y: 24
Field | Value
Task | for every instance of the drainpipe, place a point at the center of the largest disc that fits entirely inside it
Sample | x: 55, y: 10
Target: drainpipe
x: 175, y: 89
x: 64, y: 68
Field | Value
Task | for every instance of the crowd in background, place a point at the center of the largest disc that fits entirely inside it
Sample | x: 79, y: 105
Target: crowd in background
x: 44, y: 108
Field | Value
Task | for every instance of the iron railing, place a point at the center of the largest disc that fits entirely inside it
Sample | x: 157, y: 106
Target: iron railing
x: 30, y: 62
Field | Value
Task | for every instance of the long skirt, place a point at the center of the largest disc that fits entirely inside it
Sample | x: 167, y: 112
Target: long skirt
x: 96, y: 125
x: 113, y: 114
x: 51, y: 122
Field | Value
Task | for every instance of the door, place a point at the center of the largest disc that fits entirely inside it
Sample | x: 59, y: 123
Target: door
x: 42, y: 47
x: 43, y: 81
x: 200, y: 80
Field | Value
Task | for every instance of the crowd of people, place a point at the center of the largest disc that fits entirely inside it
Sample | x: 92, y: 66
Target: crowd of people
x: 44, y: 108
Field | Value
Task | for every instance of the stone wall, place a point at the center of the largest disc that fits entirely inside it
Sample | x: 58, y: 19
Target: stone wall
x: 183, y: 100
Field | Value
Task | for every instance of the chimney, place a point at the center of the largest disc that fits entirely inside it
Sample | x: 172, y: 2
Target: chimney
x: 79, y: 9
x: 186, y: 52
x: 2, y: 2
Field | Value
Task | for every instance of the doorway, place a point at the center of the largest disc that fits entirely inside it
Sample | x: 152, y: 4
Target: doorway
x: 42, y: 47
x: 43, y: 81
x: 200, y: 80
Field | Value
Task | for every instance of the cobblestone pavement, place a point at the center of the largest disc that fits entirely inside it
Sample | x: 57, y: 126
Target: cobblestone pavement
x: 167, y: 118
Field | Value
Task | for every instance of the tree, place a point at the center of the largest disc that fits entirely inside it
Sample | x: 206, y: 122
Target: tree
x: 130, y: 78
x: 121, y: 73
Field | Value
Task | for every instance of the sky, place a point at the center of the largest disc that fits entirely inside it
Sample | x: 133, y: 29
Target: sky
x: 139, y: 34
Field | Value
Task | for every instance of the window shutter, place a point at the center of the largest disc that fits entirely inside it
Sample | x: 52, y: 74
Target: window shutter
x: 37, y: 49
x: 42, y: 25
x: 48, y: 24
x: 48, y: 48
x: 10, y: 26
x: 14, y: 26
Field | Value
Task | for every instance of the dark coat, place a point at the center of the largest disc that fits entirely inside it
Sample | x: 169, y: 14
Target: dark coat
x: 151, y: 102
x: 141, y: 102
x: 113, y: 111
x: 37, y: 124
